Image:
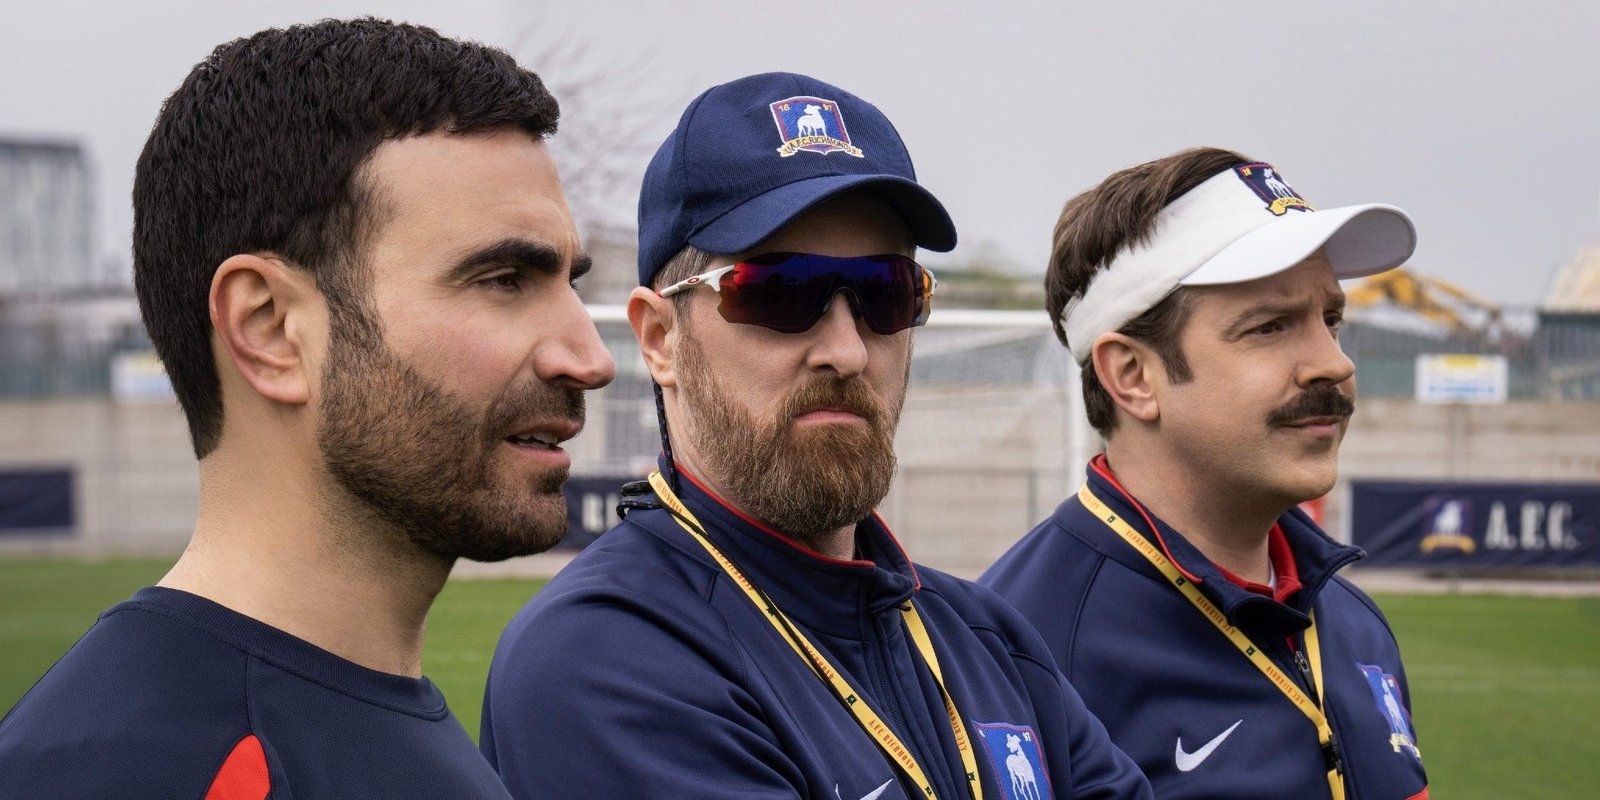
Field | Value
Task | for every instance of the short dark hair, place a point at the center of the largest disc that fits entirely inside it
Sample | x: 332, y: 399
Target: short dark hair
x: 1095, y: 227
x: 261, y: 149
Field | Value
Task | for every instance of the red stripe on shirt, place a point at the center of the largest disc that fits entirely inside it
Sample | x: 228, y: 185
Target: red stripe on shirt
x: 243, y: 775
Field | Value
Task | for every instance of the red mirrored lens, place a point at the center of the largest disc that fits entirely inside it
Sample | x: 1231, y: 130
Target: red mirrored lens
x: 789, y: 292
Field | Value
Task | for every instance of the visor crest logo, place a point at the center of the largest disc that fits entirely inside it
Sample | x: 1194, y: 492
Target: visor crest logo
x: 811, y: 124
x: 1263, y: 179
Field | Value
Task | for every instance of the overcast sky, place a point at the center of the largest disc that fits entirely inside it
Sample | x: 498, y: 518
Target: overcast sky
x: 1480, y: 118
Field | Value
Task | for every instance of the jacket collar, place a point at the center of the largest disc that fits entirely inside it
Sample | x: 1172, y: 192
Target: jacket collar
x: 829, y: 595
x: 1316, y: 555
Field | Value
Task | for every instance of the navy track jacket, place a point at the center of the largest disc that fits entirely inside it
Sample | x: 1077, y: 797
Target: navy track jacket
x: 1200, y: 719
x: 643, y: 671
x: 173, y: 696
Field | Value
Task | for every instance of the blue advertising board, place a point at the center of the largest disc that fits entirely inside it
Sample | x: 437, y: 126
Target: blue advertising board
x: 1442, y: 524
x: 591, y: 507
x: 35, y: 501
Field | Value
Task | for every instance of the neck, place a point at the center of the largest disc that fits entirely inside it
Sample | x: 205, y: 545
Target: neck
x: 325, y: 570
x: 1224, y: 525
x: 839, y: 545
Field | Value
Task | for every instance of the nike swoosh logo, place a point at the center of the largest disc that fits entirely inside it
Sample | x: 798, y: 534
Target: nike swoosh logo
x: 873, y: 795
x: 1188, y: 761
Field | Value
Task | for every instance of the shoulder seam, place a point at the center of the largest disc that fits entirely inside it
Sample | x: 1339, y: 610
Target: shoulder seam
x: 1083, y: 601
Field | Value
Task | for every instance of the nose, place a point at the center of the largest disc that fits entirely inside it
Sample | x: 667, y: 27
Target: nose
x: 836, y: 340
x: 1326, y: 362
x: 570, y: 352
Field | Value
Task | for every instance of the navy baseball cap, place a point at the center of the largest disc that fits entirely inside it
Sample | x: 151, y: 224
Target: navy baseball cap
x: 749, y: 156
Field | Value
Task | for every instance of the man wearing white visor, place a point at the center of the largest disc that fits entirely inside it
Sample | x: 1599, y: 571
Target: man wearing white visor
x: 1181, y: 589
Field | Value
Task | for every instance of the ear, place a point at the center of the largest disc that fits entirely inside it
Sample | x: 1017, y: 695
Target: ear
x: 258, y: 309
x: 652, y: 318
x: 1130, y: 372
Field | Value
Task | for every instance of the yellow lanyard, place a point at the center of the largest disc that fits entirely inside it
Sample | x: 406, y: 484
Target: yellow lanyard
x: 865, y: 716
x: 1307, y: 706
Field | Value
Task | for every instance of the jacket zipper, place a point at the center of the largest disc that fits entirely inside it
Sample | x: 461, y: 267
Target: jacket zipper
x: 1331, y: 758
x: 890, y: 703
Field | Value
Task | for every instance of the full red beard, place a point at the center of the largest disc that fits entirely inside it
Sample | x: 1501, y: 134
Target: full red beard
x: 803, y: 481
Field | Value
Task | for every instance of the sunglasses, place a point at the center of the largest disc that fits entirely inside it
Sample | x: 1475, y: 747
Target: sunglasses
x: 789, y: 292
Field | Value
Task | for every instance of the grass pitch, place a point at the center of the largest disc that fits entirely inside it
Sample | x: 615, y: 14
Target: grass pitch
x: 1506, y: 689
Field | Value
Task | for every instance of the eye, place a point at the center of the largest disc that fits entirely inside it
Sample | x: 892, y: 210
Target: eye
x: 1267, y: 328
x: 1335, y: 323
x: 509, y: 281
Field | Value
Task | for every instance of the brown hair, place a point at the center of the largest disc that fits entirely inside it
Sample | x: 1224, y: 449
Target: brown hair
x: 1097, y: 225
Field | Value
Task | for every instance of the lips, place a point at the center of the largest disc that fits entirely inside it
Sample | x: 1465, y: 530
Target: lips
x: 832, y: 409
x: 1308, y: 422
x: 546, y: 434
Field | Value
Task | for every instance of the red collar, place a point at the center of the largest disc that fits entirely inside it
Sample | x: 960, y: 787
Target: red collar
x: 764, y: 528
x: 1283, y: 567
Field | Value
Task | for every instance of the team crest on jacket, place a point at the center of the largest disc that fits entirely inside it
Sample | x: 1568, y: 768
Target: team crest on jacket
x: 1263, y: 179
x: 1017, y: 760
x: 811, y: 124
x: 1386, y: 691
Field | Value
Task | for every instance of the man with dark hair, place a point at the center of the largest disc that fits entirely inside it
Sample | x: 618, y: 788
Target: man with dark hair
x: 1181, y: 588
x: 354, y: 257
x: 752, y: 629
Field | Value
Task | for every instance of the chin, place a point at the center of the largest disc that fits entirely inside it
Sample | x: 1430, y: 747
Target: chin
x: 1310, y: 484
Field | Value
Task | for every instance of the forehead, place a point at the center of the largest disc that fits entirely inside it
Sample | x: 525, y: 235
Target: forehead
x: 854, y: 224
x: 443, y: 193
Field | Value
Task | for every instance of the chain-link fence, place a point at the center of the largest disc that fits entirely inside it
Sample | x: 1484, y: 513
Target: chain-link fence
x: 991, y: 439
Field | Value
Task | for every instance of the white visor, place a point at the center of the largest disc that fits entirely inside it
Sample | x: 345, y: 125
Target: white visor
x: 1239, y: 225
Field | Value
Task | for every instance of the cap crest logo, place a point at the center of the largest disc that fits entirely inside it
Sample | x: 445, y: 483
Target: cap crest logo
x: 811, y: 124
x: 1264, y: 181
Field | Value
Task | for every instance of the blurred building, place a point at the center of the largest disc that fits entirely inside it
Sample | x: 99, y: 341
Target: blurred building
x: 1576, y: 288
x: 46, y: 244
x: 1569, y: 328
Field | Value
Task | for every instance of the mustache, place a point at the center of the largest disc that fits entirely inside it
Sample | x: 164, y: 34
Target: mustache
x: 537, y: 401
x: 850, y: 394
x: 1324, y: 400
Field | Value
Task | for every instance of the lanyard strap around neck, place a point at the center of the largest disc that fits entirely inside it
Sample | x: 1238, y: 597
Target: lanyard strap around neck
x: 868, y: 719
x: 1308, y: 706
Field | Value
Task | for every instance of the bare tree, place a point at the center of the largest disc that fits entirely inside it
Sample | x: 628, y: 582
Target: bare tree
x: 607, y: 126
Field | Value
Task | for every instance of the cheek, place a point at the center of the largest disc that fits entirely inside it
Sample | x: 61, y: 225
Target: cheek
x: 888, y: 363
x: 468, y: 355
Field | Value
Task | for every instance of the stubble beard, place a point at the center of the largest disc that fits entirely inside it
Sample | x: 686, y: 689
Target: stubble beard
x: 804, y: 481
x: 424, y: 463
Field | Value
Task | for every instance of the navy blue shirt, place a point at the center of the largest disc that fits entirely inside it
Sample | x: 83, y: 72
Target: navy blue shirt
x: 1200, y: 719
x: 642, y: 670
x: 170, y: 695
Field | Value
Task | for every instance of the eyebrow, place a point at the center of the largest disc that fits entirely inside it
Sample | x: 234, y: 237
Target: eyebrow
x: 519, y: 253
x: 1335, y: 302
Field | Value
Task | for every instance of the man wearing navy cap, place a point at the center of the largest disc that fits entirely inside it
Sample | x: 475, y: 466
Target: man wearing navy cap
x: 1181, y: 588
x: 752, y: 629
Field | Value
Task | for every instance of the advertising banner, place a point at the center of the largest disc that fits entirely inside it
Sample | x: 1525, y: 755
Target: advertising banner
x: 35, y: 501
x: 1442, y: 524
x: 591, y: 507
